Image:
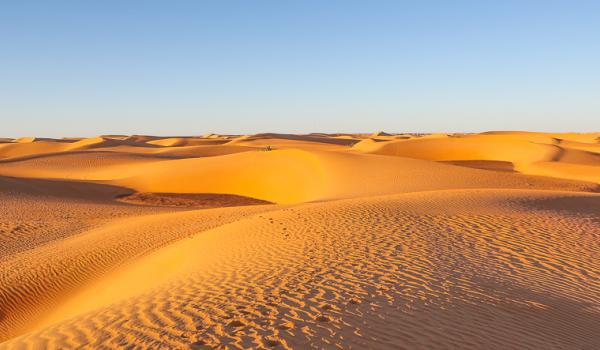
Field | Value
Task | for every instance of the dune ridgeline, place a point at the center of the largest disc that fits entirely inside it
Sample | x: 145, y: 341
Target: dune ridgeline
x: 336, y: 241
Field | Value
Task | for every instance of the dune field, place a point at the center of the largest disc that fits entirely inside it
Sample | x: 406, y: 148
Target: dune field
x: 319, y: 241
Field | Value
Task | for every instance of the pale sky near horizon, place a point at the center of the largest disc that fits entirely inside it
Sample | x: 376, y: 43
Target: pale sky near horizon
x: 84, y: 68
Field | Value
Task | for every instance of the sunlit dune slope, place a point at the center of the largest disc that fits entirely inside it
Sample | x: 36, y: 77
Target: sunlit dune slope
x: 281, y: 176
x: 77, y: 165
x: 404, y: 270
x: 35, y: 146
x: 557, y: 155
x: 17, y: 149
x: 325, y: 241
x: 187, y: 141
x: 192, y: 147
x: 65, y: 261
x: 292, y: 176
x: 285, y: 141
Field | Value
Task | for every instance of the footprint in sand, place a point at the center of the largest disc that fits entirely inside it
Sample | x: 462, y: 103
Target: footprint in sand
x: 327, y: 307
x: 236, y: 324
x: 272, y: 342
x: 200, y: 345
x: 323, y: 318
x: 285, y: 325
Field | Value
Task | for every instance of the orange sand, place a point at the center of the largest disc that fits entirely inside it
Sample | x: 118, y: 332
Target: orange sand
x: 370, y: 241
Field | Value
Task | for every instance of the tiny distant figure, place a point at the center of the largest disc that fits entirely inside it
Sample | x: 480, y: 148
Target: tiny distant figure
x: 268, y: 148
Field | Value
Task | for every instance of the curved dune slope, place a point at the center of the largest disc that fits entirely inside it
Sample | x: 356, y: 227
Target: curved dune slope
x: 97, y: 239
x: 280, y: 176
x: 77, y: 165
x: 591, y: 137
x: 286, y: 141
x: 187, y: 141
x: 169, y: 147
x: 529, y: 153
x: 404, y: 270
x: 377, y: 241
x: 19, y: 149
x: 293, y: 176
x: 203, y: 150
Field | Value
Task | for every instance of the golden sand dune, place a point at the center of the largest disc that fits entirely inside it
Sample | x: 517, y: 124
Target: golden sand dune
x: 556, y: 155
x: 281, y: 176
x: 375, y: 241
x: 411, y: 265
x: 91, y: 165
x: 312, y: 141
x: 17, y: 149
x: 187, y: 141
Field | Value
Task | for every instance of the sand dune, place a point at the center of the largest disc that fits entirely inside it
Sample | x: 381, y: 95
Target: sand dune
x: 366, y: 241
x: 188, y: 141
x: 81, y: 257
x: 428, y: 258
x: 17, y: 149
x: 286, y: 141
x: 280, y: 176
x: 557, y: 155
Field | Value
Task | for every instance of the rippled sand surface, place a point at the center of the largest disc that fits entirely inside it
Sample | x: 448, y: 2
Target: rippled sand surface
x: 381, y: 241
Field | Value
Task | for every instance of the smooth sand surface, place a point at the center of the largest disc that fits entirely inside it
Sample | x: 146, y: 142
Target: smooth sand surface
x: 341, y: 241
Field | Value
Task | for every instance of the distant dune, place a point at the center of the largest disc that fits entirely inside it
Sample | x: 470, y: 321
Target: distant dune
x: 347, y: 241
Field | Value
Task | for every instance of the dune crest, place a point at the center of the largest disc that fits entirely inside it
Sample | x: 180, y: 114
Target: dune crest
x: 557, y: 155
x: 366, y: 241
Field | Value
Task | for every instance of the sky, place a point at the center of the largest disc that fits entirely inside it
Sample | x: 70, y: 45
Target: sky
x: 85, y: 68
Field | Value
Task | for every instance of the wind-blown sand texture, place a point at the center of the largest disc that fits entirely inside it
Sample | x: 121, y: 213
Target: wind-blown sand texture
x: 325, y: 241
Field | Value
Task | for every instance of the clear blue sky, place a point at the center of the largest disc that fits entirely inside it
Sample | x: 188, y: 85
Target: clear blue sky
x: 191, y: 67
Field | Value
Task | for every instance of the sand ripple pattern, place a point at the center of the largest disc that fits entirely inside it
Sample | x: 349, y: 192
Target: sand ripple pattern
x: 57, y: 246
x: 466, y: 269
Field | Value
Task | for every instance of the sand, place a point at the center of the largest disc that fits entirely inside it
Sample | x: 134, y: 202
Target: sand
x: 341, y: 241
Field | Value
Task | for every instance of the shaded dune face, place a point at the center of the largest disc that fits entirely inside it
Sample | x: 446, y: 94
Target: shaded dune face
x: 301, y: 241
x: 195, y: 200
